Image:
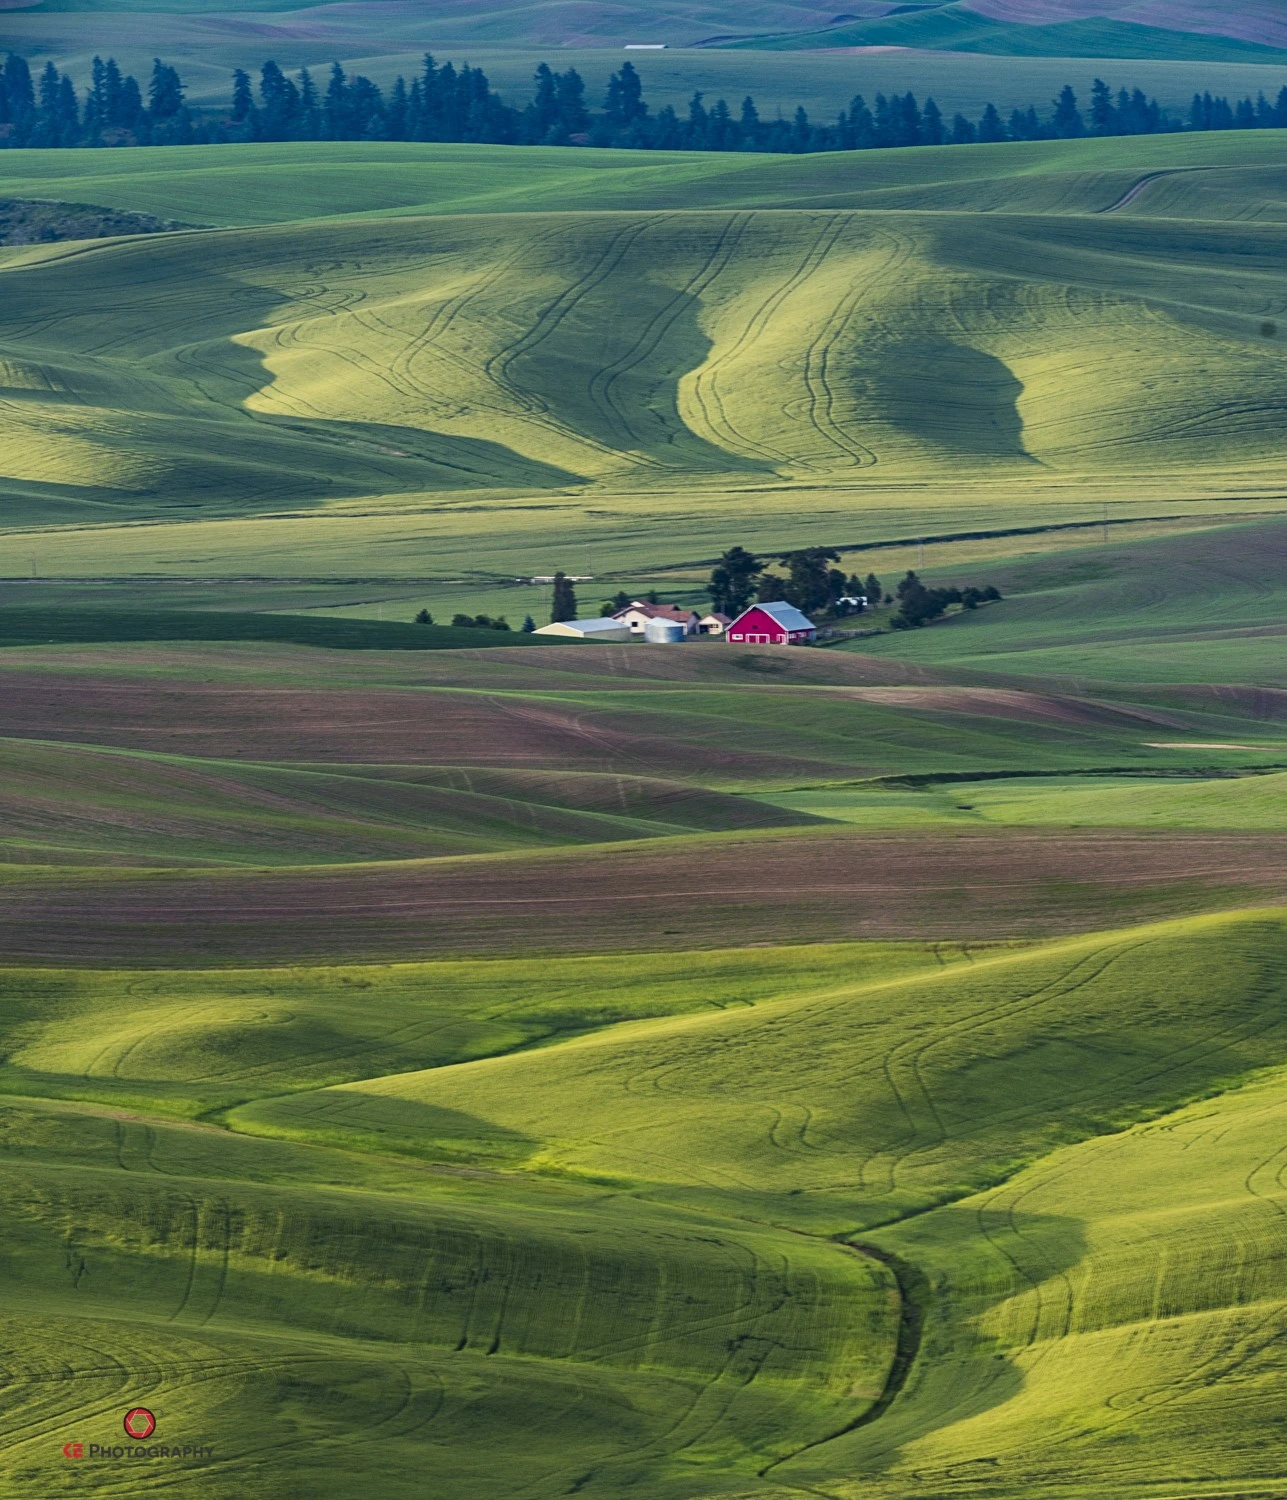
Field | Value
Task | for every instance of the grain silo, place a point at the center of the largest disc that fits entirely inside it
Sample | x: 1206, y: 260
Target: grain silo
x: 664, y: 632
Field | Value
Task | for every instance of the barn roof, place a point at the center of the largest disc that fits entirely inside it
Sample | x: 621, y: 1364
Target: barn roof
x: 787, y: 615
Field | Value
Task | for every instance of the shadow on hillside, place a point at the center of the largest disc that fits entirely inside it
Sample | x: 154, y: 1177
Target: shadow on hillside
x: 944, y: 395
x: 169, y: 398
x: 613, y: 375
x: 363, y: 1119
x: 990, y: 1284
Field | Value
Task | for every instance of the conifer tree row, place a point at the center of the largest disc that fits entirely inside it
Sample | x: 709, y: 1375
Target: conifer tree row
x: 444, y: 103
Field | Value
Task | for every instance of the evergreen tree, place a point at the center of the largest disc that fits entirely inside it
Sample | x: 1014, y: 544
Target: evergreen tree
x: 861, y: 125
x: 1068, y: 121
x: 624, y: 103
x: 721, y: 133
x: 883, y: 132
x: 543, y: 112
x: 801, y: 132
x: 573, y: 118
x: 905, y: 120
x: 165, y: 92
x: 243, y: 101
x: 732, y: 580
x: 20, y: 98
x: 698, y: 124
x: 932, y: 132
x: 130, y: 108
x: 990, y: 127
x: 1103, y: 117
x: 118, y: 103
x: 335, y: 110
x: 563, y: 604
x: 811, y: 584
x: 397, y: 113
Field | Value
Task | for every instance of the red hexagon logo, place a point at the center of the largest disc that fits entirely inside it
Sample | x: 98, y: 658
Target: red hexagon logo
x: 139, y: 1422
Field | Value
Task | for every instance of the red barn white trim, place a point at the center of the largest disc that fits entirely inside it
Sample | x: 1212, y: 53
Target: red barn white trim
x: 774, y: 624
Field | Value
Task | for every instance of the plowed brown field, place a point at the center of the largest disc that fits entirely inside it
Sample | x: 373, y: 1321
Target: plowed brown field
x: 720, y: 891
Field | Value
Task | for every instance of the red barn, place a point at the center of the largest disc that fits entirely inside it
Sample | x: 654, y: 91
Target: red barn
x: 774, y: 624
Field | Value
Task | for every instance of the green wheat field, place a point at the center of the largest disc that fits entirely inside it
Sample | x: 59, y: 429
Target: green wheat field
x: 434, y: 1069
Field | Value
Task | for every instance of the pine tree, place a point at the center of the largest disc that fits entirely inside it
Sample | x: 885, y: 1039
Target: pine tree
x: 543, y: 112
x: 243, y: 101
x: 1068, y: 121
x: 990, y: 127
x: 801, y: 132
x: 563, y: 604
x: 165, y: 92
x: 335, y: 109
x: 698, y: 124
x: 862, y: 127
x: 732, y: 580
x: 573, y: 118
x: 1103, y: 117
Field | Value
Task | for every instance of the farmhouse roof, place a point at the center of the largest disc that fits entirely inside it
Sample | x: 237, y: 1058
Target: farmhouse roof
x: 787, y: 615
x: 718, y: 615
x: 659, y: 611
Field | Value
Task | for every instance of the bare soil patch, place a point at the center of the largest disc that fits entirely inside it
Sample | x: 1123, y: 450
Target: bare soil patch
x: 779, y: 887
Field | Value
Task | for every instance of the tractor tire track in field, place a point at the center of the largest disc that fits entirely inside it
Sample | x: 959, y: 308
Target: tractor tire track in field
x: 498, y: 367
x: 602, y: 387
x: 913, y: 1050
x: 914, y: 1296
x: 444, y: 318
x: 818, y: 357
x: 706, y: 381
x: 1136, y: 188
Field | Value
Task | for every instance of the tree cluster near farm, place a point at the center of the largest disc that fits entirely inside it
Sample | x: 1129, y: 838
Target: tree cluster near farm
x: 803, y: 1013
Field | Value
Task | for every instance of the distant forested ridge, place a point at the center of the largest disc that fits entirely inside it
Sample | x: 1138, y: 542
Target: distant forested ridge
x: 449, y: 104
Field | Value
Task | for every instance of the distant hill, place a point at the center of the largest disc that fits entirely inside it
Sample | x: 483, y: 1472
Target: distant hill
x: 1263, y: 22
x: 1119, y: 28
x: 1248, y: 32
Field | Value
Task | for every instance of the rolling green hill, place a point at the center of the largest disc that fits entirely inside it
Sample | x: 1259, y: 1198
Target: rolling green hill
x: 1205, y: 608
x: 960, y: 27
x: 748, y: 353
x: 616, y: 1070
x: 647, y: 1294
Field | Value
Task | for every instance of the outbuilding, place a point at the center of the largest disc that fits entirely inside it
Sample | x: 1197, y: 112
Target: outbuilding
x: 773, y: 624
x: 637, y: 615
x: 714, y: 623
x: 601, y: 629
